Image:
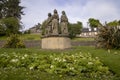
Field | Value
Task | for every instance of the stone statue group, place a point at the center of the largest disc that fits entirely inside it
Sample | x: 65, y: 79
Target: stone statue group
x: 53, y: 27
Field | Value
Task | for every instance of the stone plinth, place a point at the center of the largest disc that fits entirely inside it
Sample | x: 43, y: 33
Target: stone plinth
x: 56, y: 43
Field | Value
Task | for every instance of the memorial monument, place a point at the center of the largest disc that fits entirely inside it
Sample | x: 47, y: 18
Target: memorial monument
x: 56, y: 34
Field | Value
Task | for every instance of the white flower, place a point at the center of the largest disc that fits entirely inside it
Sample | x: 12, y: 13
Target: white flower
x: 71, y: 68
x: 108, y: 50
x: 75, y: 60
x: 25, y: 55
x: 14, y: 60
x: 31, y: 67
x: 64, y: 60
x: 96, y: 57
x: 90, y: 63
x: 51, y: 66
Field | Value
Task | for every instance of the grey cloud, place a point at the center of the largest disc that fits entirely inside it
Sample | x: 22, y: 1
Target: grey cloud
x: 77, y: 10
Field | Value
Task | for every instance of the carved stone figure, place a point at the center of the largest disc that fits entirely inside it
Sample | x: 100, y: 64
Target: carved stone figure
x: 64, y: 23
x: 55, y: 23
x: 48, y: 29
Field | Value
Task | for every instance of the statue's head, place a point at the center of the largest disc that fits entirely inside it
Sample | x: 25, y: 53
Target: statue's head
x: 63, y: 12
x: 55, y: 11
x: 49, y: 14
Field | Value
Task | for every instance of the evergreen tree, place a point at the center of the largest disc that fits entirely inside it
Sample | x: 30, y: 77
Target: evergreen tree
x: 10, y: 15
x: 11, y: 8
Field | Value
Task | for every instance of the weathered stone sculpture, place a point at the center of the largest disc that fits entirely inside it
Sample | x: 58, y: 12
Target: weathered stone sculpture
x: 55, y: 23
x: 48, y: 29
x: 64, y: 23
x: 52, y: 38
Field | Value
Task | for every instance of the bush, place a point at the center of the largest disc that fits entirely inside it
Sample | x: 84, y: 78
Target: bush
x: 108, y: 37
x: 14, y: 42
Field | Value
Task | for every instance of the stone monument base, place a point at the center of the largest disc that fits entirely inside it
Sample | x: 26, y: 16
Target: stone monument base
x: 56, y: 43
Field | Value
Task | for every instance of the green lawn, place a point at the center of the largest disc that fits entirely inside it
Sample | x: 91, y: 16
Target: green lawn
x: 109, y: 58
x: 83, y: 39
x: 26, y: 37
x: 38, y: 37
x: 3, y: 38
x: 31, y: 37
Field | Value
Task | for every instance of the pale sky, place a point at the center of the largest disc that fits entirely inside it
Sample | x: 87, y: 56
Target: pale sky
x: 36, y: 11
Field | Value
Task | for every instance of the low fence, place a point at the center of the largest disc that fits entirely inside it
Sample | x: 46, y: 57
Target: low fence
x: 37, y: 43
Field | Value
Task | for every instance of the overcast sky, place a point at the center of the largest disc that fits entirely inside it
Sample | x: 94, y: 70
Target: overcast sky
x: 36, y: 11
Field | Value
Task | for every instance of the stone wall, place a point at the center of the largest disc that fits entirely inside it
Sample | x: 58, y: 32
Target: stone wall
x: 37, y: 43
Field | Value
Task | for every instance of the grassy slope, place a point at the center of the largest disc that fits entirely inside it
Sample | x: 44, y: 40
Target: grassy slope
x: 26, y: 37
x: 37, y: 37
x: 31, y: 37
x: 83, y: 39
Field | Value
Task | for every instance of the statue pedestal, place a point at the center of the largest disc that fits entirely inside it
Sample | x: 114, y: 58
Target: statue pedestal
x: 54, y: 42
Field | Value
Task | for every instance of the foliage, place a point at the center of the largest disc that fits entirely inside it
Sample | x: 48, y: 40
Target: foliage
x: 2, y: 29
x: 27, y: 32
x: 74, y: 29
x: 43, y: 26
x: 11, y: 8
x: 114, y: 23
x: 10, y: 25
x: 63, y: 64
x: 94, y: 22
x: 108, y: 37
x: 14, y: 42
x: 10, y: 15
x: 110, y: 59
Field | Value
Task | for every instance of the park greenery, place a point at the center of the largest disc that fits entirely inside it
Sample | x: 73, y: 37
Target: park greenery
x: 10, y: 16
x: 85, y: 63
x: 77, y: 63
x: 14, y: 41
x: 108, y: 37
x: 94, y: 23
x: 74, y: 29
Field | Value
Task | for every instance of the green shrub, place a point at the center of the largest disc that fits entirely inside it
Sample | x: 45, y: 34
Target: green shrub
x: 108, y: 37
x: 14, y: 42
x: 62, y: 64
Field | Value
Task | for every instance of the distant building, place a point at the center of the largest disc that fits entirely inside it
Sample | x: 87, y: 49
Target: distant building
x: 89, y: 32
x: 35, y: 29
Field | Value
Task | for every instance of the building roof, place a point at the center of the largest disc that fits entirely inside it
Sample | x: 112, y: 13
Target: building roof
x: 89, y: 29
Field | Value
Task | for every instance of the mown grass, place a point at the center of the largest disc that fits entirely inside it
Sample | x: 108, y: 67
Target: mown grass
x: 38, y: 37
x: 3, y: 37
x: 110, y: 58
x: 31, y: 37
x: 25, y: 37
x: 83, y: 39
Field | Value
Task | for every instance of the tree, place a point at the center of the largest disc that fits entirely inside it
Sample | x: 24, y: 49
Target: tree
x: 43, y: 26
x: 113, y: 23
x: 11, y: 8
x: 10, y: 15
x: 94, y: 22
x: 2, y: 29
x: 10, y: 25
x: 74, y: 29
